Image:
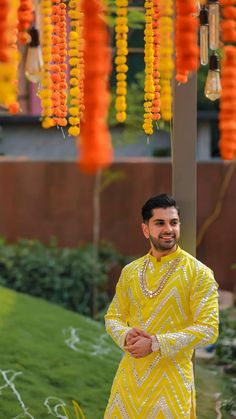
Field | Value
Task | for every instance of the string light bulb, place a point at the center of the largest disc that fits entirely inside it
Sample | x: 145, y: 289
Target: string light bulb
x: 214, y: 23
x: 204, y: 35
x: 213, y: 84
x: 34, y: 60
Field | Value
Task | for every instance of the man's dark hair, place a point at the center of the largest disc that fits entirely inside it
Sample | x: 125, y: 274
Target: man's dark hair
x: 159, y: 201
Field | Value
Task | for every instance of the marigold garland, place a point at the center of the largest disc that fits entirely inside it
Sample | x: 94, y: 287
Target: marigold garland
x: 121, y: 30
x: 4, y: 31
x: 95, y: 144
x: 186, y: 39
x: 45, y: 38
x: 75, y: 49
x: 228, y: 21
x: 149, y: 88
x: 156, y: 74
x: 58, y: 66
x: 25, y: 19
x: 227, y: 114
x: 166, y: 63
x: 9, y: 57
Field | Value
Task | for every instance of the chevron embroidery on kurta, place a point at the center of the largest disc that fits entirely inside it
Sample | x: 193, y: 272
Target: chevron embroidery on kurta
x: 183, y: 316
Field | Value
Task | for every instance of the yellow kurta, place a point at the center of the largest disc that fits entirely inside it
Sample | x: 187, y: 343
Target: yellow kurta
x: 183, y: 316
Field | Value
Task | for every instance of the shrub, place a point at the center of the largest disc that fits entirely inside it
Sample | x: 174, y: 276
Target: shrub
x: 61, y: 275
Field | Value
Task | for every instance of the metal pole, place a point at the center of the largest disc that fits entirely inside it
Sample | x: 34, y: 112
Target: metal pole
x: 184, y: 141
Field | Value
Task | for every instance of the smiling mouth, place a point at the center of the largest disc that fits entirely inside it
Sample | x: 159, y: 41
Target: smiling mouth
x: 167, y: 237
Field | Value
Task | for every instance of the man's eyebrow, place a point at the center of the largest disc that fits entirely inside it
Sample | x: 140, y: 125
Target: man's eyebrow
x: 161, y: 219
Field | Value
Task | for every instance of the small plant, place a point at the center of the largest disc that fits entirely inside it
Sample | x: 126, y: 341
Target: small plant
x: 226, y: 344
x: 61, y: 275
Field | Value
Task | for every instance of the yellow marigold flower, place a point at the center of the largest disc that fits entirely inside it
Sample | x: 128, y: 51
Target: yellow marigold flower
x: 73, y: 36
x: 121, y: 91
x: 123, y: 68
x: 74, y: 131
x: 120, y: 100
x: 123, y: 36
x: 122, y: 11
x: 149, y: 96
x: 46, y: 103
x: 121, y: 76
x: 73, y: 44
x: 121, y: 43
x: 73, y: 120
x: 74, y: 14
x: 122, y: 29
x: 74, y: 81
x: 73, y: 61
x: 120, y: 107
x: 121, y: 21
x: 47, y: 123
x: 46, y: 21
x: 148, y: 19
x: 73, y: 52
x: 75, y: 72
x: 122, y: 3
x: 120, y: 60
x: 122, y: 51
x: 73, y: 111
x: 46, y: 82
x: 121, y: 116
x: 121, y: 84
x: 47, y: 111
x: 76, y: 102
x: 44, y: 93
x: 75, y: 91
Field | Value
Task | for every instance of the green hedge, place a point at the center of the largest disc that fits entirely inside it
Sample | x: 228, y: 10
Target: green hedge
x: 64, y: 276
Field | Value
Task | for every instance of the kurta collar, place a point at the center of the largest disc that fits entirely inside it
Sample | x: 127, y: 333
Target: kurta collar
x: 166, y: 258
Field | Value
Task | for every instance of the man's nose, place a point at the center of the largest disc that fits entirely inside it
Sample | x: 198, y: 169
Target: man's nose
x: 168, y: 228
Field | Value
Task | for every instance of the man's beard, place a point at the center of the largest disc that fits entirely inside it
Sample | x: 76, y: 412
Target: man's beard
x: 161, y: 245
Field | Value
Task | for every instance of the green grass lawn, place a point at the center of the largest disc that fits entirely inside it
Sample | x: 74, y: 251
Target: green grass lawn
x: 50, y: 356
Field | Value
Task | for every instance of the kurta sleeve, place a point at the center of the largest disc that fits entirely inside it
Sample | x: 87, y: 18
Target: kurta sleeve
x: 203, y: 328
x: 116, y: 319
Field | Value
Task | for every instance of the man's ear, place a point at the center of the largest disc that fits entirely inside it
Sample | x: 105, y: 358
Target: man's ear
x: 145, y: 230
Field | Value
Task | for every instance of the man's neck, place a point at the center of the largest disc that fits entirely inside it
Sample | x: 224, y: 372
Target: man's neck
x: 158, y: 254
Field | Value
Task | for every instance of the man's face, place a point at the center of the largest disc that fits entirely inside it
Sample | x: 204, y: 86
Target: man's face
x: 163, y: 229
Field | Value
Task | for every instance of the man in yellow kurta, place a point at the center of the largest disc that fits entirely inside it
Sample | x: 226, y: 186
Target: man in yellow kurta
x: 165, y: 306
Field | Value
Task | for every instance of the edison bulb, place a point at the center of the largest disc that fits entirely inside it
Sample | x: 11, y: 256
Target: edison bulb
x: 34, y: 60
x: 213, y: 84
x: 33, y: 64
x: 204, y: 33
x: 214, y: 24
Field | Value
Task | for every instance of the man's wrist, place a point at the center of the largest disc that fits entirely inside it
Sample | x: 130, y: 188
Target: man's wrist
x: 155, y: 344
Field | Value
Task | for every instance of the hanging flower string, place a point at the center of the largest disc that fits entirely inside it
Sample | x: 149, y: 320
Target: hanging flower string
x: 13, y: 105
x: 25, y: 19
x: 95, y: 144
x: 4, y: 31
x: 75, y: 71
x: 9, y: 70
x: 149, y: 88
x: 186, y: 39
x: 228, y: 21
x: 156, y: 74
x: 81, y: 64
x: 58, y: 66
x: 45, y: 37
x: 166, y: 63
x: 9, y: 56
x: 227, y: 114
x: 63, y: 66
x: 121, y: 30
